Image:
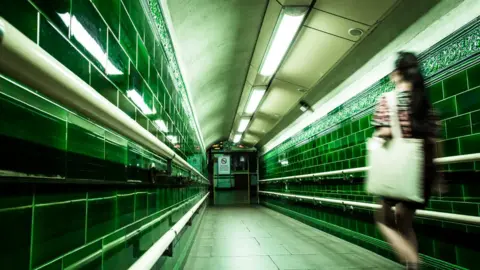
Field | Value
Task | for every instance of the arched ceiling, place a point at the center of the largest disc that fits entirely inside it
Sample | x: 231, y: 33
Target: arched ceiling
x: 214, y: 41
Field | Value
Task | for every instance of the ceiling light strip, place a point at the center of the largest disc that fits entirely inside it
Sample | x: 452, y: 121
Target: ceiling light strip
x: 288, y: 24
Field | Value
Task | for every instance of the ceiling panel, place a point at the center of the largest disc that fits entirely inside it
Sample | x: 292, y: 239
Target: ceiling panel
x: 332, y: 24
x: 313, y: 54
x: 261, y: 125
x: 364, y: 11
x: 280, y: 98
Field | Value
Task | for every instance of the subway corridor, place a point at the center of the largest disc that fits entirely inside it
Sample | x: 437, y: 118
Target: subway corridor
x: 239, y: 134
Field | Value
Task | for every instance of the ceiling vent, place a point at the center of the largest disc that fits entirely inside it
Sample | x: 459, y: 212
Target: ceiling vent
x: 355, y: 32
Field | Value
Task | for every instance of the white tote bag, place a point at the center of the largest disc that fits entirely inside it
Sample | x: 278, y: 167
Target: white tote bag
x: 396, y: 165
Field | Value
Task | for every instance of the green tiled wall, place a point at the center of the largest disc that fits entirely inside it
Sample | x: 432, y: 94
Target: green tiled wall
x: 44, y: 139
x: 130, y: 57
x: 454, y: 90
x: 55, y: 226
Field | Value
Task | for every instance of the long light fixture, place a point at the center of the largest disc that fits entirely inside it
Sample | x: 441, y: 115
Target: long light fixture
x: 237, y: 138
x: 254, y: 99
x: 161, y: 125
x: 138, y: 100
x: 288, y: 23
x: 88, y: 42
x: 242, y: 126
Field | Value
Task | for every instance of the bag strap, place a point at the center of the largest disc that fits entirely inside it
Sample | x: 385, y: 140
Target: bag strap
x: 394, y: 119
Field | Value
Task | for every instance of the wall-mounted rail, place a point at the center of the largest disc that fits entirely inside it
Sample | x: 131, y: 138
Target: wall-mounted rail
x: 23, y: 60
x: 439, y: 161
x: 421, y: 213
x: 151, y: 256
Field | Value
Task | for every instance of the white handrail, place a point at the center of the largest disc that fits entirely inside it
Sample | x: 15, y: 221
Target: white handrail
x: 25, y: 61
x: 421, y: 213
x: 440, y: 161
x: 153, y: 254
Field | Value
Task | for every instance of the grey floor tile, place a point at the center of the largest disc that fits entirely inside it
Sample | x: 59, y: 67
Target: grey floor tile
x: 259, y: 238
x: 227, y: 263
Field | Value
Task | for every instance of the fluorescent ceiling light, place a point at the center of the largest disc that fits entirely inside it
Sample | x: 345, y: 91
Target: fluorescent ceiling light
x: 255, y: 98
x: 237, y: 138
x: 287, y: 26
x: 89, y: 43
x: 161, y: 125
x: 242, y: 126
x: 138, y: 100
x: 172, y: 139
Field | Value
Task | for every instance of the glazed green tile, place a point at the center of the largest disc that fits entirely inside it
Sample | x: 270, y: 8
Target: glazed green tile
x: 128, y: 35
x: 465, y: 166
x: 126, y: 106
x: 442, y: 206
x: 360, y: 137
x: 455, y: 84
x: 364, y: 123
x: 101, y: 218
x: 107, y: 89
x: 150, y: 41
x: 110, y: 11
x: 125, y: 210
x: 355, y: 126
x: 445, y: 250
x: 458, y: 126
x: 165, y: 73
x: 473, y: 74
x: 141, y: 205
x: 159, y: 58
x: 468, y: 101
x: 465, y: 208
x: 153, y: 80
x: 119, y: 60
x: 446, y: 108
x: 93, y: 40
x: 78, y: 255
x: 52, y: 238
x: 85, y: 138
x: 467, y: 255
x: 53, y: 10
x: 470, y: 144
x: 142, y: 57
x: 135, y: 11
x: 115, y: 148
x: 27, y: 23
x: 30, y: 125
x: 58, y: 47
x: 435, y: 92
x: 15, y: 249
x: 475, y: 122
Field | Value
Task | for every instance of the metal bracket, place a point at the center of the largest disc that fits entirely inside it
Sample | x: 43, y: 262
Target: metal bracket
x: 169, y: 167
x: 170, y: 221
x: 169, y: 251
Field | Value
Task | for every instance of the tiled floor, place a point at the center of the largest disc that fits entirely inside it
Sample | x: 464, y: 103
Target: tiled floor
x: 259, y: 238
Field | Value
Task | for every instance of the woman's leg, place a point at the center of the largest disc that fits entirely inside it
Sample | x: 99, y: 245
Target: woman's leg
x: 386, y: 223
x: 405, y: 215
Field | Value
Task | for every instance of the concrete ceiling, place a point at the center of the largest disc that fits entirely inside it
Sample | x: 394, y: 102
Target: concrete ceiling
x: 214, y: 41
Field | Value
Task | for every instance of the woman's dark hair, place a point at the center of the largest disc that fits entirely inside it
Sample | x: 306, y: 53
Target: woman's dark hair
x: 409, y: 69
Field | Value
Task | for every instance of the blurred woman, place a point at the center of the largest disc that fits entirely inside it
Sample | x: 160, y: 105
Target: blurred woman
x: 417, y: 120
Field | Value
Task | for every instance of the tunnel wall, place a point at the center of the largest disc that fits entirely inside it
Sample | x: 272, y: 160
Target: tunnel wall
x: 71, y: 190
x: 337, y: 141
x: 111, y: 46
